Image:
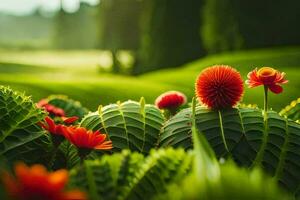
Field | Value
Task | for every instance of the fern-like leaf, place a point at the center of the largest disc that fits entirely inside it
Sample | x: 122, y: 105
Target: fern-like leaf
x: 242, y: 134
x: 292, y: 111
x: 130, y: 125
x: 20, y: 136
x: 130, y: 175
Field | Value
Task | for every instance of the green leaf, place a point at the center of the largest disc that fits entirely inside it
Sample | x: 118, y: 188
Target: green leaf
x: 233, y: 183
x: 130, y: 125
x: 292, y: 111
x: 242, y: 134
x: 20, y: 136
x: 130, y: 175
x: 66, y: 156
x: 70, y: 106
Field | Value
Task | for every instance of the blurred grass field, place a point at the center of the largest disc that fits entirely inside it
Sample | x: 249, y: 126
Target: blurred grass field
x: 76, y: 74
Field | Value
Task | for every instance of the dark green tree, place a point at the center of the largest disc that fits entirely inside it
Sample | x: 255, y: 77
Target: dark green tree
x: 76, y: 30
x: 120, y: 29
x: 264, y: 23
x: 235, y: 24
x: 220, y: 30
x: 170, y: 34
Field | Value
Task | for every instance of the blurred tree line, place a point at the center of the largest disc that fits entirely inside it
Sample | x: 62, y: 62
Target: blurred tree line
x: 169, y: 33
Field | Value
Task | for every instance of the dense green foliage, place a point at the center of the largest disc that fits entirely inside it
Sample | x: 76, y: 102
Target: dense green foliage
x: 20, y: 136
x: 242, y: 134
x: 130, y: 175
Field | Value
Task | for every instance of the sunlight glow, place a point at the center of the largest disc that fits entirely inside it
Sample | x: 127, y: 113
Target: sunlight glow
x: 24, y: 7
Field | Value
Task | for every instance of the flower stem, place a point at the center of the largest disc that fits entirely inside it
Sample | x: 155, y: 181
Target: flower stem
x: 265, y: 101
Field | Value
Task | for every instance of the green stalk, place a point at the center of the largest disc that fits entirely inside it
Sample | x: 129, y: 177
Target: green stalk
x: 265, y: 101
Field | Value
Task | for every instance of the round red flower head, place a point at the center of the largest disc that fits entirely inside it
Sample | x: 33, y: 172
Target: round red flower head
x: 268, y: 77
x: 36, y: 183
x: 170, y: 100
x: 219, y: 86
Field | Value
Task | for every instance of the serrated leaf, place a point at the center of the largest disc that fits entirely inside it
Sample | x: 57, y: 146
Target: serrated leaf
x: 70, y: 106
x: 130, y: 125
x: 20, y: 136
x: 129, y: 175
x: 243, y: 135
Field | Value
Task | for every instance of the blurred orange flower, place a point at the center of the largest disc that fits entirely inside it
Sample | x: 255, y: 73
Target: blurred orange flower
x: 36, y: 183
x: 268, y: 77
x: 87, y: 139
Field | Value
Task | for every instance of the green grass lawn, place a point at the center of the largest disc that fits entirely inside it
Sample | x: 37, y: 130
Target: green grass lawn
x: 76, y: 74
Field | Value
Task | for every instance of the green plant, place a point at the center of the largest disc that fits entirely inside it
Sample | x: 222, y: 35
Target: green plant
x: 172, y: 174
x: 130, y: 125
x: 243, y: 135
x: 292, y: 111
x: 20, y: 136
x: 239, y: 134
x: 130, y: 175
x: 70, y: 106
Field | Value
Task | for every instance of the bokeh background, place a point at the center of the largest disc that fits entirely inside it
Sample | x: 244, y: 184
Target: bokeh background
x: 102, y: 51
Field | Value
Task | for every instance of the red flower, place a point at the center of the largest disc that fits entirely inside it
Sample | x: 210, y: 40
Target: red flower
x: 55, y: 129
x: 36, y: 183
x: 70, y: 120
x: 170, y: 100
x: 87, y: 139
x: 219, y: 86
x: 267, y: 76
x: 50, y: 108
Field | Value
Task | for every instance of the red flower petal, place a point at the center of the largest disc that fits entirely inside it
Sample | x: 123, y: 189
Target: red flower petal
x: 275, y: 88
x: 70, y: 120
x: 83, y: 138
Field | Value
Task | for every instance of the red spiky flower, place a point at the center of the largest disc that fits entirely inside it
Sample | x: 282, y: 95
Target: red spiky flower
x: 51, y: 109
x: 268, y: 77
x: 36, y: 183
x: 219, y: 86
x: 170, y: 100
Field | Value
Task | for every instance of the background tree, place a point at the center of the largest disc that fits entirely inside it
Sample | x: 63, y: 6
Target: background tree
x: 120, y: 30
x: 170, y: 34
x: 220, y: 30
x: 268, y: 23
x: 76, y: 30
